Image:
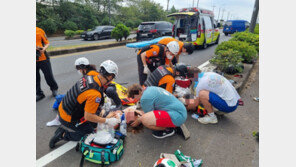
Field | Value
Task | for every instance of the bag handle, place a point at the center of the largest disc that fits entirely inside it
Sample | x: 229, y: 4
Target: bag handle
x: 85, y: 152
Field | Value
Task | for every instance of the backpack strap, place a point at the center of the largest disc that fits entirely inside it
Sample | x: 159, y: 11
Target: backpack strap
x: 85, y: 152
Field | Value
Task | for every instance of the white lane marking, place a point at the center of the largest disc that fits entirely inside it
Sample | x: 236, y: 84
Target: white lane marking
x: 70, y: 145
x: 203, y: 65
x: 55, y: 154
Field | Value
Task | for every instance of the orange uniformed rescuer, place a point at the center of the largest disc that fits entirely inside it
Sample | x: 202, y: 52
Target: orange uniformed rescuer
x: 164, y: 76
x: 80, y: 107
x: 185, y: 48
x: 153, y: 56
x: 43, y: 64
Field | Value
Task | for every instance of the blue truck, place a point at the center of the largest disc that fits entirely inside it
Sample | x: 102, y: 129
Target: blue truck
x: 232, y: 26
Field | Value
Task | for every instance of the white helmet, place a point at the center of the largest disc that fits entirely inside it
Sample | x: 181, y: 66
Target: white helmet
x: 81, y: 61
x: 173, y: 47
x: 164, y: 162
x: 110, y: 67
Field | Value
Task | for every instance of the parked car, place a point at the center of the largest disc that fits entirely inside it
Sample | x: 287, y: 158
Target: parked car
x: 99, y: 32
x: 196, y: 26
x: 232, y: 26
x: 154, y: 29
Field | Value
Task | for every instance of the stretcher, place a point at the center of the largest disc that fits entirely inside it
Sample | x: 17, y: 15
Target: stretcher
x: 139, y: 45
x: 122, y: 94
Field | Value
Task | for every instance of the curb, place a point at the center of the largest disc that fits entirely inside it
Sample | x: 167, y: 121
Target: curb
x: 88, y: 48
x: 242, y: 86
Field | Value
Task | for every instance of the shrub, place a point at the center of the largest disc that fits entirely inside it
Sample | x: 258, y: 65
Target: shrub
x: 49, y: 26
x: 120, y: 31
x: 130, y: 23
x: 78, y: 32
x: 70, y: 25
x: 256, y: 30
x: 252, y: 39
x: 247, y: 51
x: 135, y: 29
x: 228, y: 61
x: 88, y: 30
x: 69, y: 33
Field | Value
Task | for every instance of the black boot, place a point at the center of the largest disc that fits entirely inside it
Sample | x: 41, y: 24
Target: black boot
x: 39, y: 97
x: 58, y: 136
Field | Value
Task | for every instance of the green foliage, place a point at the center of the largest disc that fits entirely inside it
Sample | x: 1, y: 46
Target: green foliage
x: 78, y: 32
x: 83, y: 15
x: 119, y: 32
x: 48, y: 25
x: 256, y: 30
x: 130, y: 23
x: 70, y: 25
x: 247, y: 51
x: 69, y: 33
x: 228, y: 59
x: 252, y: 39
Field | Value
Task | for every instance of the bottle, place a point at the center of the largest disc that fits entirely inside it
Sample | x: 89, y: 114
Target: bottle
x: 122, y: 127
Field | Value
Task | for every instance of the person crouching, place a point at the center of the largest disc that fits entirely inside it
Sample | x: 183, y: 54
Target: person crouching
x: 162, y: 111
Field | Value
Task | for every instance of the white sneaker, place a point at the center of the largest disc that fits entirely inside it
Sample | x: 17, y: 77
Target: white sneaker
x: 54, y: 122
x: 207, y: 119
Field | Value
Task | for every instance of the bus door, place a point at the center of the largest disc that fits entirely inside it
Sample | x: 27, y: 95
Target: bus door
x: 193, y: 28
x: 209, y: 29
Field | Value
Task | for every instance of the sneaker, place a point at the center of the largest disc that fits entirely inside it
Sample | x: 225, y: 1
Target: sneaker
x: 39, y: 97
x: 163, y: 133
x: 54, y: 93
x: 219, y: 113
x: 207, y: 119
x: 54, y: 122
x: 58, y: 136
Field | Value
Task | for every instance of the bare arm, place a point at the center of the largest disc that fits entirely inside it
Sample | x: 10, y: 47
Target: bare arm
x: 94, y: 118
x: 143, y: 58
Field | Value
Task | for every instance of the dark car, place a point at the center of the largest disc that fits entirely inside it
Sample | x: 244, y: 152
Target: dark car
x: 99, y: 32
x: 151, y: 30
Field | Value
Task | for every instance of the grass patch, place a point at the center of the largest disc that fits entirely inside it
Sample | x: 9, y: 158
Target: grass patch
x: 55, y: 48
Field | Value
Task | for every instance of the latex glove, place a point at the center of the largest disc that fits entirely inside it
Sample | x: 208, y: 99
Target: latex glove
x: 112, y: 121
x: 146, y: 70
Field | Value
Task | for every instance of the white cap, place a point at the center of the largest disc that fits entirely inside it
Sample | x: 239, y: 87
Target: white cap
x: 110, y: 67
x: 173, y: 47
x: 81, y: 61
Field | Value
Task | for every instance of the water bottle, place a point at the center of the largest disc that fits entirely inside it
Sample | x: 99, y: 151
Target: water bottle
x: 122, y: 127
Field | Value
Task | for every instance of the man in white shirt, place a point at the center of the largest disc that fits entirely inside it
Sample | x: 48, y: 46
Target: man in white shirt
x: 215, y: 90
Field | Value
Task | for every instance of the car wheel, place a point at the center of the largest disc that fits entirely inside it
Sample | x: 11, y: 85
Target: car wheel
x: 96, y: 37
x: 217, y: 41
x: 226, y: 34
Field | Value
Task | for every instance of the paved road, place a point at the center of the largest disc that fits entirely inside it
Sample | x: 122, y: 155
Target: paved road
x: 208, y: 142
x: 60, y: 41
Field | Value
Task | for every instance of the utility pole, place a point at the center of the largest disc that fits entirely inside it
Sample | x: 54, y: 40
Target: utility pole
x: 168, y: 1
x: 222, y: 14
x: 193, y: 4
x: 109, y: 13
x: 197, y: 3
x: 254, y: 16
x: 228, y: 15
x: 218, y: 14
